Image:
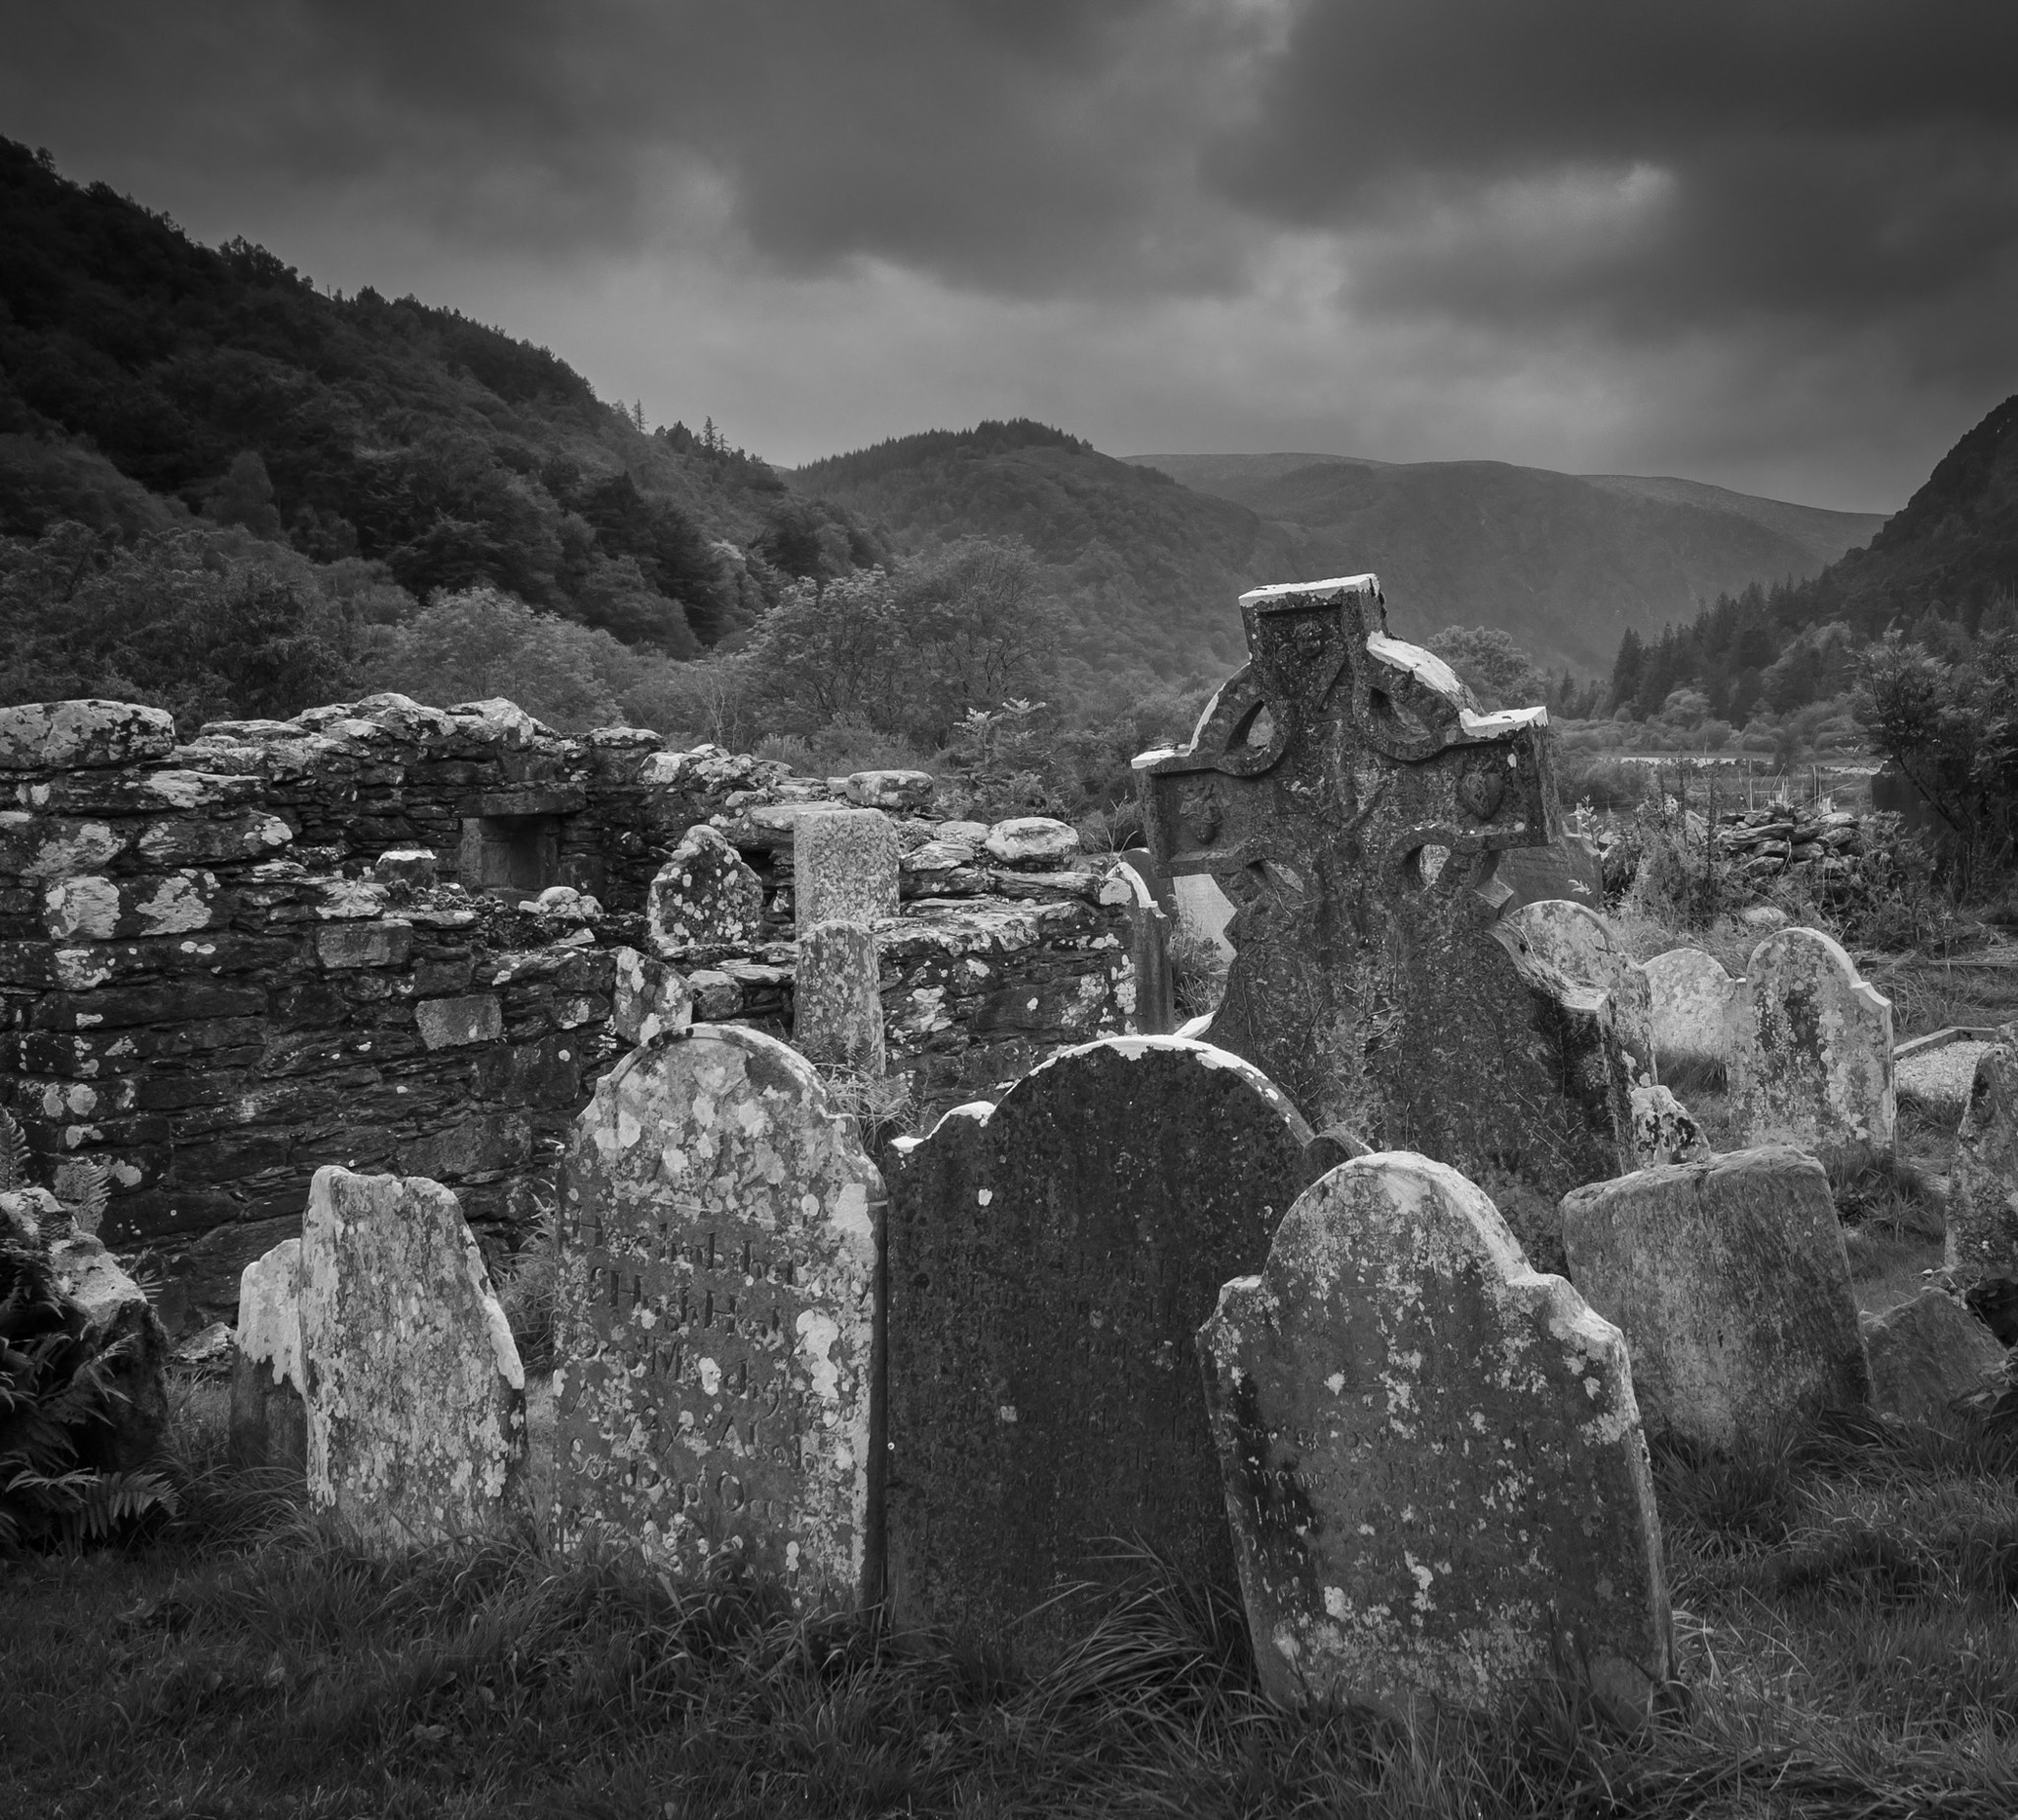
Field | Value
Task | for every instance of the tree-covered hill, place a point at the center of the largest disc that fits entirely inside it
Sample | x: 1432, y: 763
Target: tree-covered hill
x: 146, y: 380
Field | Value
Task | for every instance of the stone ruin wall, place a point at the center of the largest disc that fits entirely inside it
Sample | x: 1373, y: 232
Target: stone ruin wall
x: 208, y: 994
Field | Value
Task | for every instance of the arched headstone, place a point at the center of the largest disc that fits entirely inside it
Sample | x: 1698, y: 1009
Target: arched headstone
x: 1433, y: 1460
x: 1693, y: 998
x: 1579, y: 941
x: 1050, y: 1259
x: 714, y: 1317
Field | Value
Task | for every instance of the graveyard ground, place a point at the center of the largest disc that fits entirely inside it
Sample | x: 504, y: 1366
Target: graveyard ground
x: 1845, y: 1616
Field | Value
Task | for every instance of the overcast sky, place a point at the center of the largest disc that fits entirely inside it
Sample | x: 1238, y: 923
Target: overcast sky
x: 1770, y: 243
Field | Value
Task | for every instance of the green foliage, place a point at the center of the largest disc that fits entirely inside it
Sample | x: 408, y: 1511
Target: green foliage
x: 1492, y: 667
x: 57, y: 1407
x: 15, y: 1164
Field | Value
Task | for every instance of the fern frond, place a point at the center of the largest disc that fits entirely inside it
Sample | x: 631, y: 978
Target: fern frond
x: 14, y: 1155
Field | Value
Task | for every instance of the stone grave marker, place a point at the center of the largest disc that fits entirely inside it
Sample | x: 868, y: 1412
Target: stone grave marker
x: 1433, y: 1460
x: 1926, y: 1354
x: 704, y: 896
x: 269, y: 1419
x: 1352, y: 804
x: 1731, y: 1285
x: 1578, y: 940
x: 416, y: 1398
x: 1811, y: 1050
x: 1048, y: 1261
x: 1983, y: 1187
x: 837, y: 1002
x: 1567, y: 868
x: 845, y: 868
x: 1693, y: 1002
x: 716, y: 1317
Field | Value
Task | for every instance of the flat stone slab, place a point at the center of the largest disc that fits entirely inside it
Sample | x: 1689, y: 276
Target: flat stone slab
x: 1049, y: 1262
x: 1939, y: 1079
x: 716, y: 1317
x: 1731, y: 1285
x: 1926, y: 1353
x: 416, y: 1396
x: 71, y: 735
x: 1433, y: 1460
x: 1983, y: 1186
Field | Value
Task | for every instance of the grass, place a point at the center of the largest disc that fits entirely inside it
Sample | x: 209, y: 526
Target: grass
x: 1844, y: 1624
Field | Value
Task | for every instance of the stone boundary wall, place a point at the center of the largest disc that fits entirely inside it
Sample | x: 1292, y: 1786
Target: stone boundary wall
x: 205, y: 994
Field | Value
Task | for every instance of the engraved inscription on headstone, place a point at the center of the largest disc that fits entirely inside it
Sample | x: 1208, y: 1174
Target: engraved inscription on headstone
x: 1049, y: 1262
x: 715, y: 1316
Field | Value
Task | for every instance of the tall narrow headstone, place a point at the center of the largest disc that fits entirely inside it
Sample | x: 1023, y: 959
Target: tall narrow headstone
x: 269, y: 1419
x: 1692, y: 1001
x: 1811, y: 1050
x: 1983, y: 1190
x: 837, y: 998
x: 1352, y: 804
x: 1049, y: 1262
x: 1433, y: 1462
x: 1731, y: 1285
x: 415, y: 1393
x: 715, y: 1320
x: 845, y: 868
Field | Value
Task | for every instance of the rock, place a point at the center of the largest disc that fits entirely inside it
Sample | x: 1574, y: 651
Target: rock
x: 837, y: 1004
x: 406, y: 865
x: 1031, y: 840
x: 1810, y: 1057
x: 455, y: 1023
x: 1926, y: 1354
x: 1048, y: 1260
x: 652, y: 1003
x: 415, y: 1393
x: 704, y: 896
x: 1664, y: 1133
x: 715, y: 1318
x: 962, y: 834
x: 80, y: 734
x: 1731, y: 1285
x: 1765, y: 915
x: 208, y: 1350
x: 567, y: 904
x: 1434, y: 1466
x: 938, y: 856
x: 269, y: 1423
x: 1692, y: 1006
x: 845, y: 868
x: 1982, y: 1185
x: 892, y: 790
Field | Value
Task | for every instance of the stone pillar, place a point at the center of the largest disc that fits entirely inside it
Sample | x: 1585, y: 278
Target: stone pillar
x: 843, y: 867
x: 837, y: 1006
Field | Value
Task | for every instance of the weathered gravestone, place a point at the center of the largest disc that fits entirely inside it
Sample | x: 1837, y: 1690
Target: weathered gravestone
x: 1731, y: 1285
x: 1567, y: 868
x: 415, y: 1393
x: 714, y: 1317
x: 1049, y: 1262
x: 1663, y: 1131
x: 837, y: 1004
x: 1692, y: 1000
x: 1926, y: 1354
x: 1579, y: 941
x: 845, y: 868
x: 1810, y: 1057
x: 704, y: 896
x: 269, y: 1419
x: 1433, y: 1462
x: 1983, y: 1186
x: 1368, y: 983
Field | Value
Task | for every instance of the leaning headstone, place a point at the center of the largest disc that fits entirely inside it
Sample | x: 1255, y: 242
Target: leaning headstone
x: 269, y: 1419
x: 1433, y: 1460
x: 1926, y: 1354
x: 1577, y: 939
x: 416, y: 1396
x: 704, y: 896
x: 836, y: 1000
x: 1049, y: 1262
x: 1811, y: 1050
x: 1731, y: 1285
x: 1982, y: 1183
x: 845, y: 868
x: 1692, y: 1000
x: 1355, y: 806
x: 715, y: 1318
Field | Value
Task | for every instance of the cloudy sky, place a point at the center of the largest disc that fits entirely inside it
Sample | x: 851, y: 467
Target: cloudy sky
x: 1771, y: 243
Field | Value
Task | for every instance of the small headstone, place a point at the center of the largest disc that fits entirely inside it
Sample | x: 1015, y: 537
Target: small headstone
x: 837, y: 1002
x: 416, y: 1396
x: 845, y: 868
x: 1982, y: 1183
x: 651, y: 1002
x: 1663, y: 1131
x: 1924, y: 1354
x: 1031, y: 840
x: 1152, y: 1012
x: 714, y: 1317
x: 1576, y: 939
x: 1433, y: 1460
x: 1811, y: 1052
x: 704, y: 896
x: 1731, y: 1285
x: 1048, y: 1261
x: 269, y: 1419
x: 1693, y: 998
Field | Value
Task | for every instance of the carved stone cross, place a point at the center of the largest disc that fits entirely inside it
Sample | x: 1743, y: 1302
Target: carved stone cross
x: 1352, y: 802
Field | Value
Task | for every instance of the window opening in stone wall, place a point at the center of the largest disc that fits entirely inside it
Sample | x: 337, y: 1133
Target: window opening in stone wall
x: 510, y: 855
